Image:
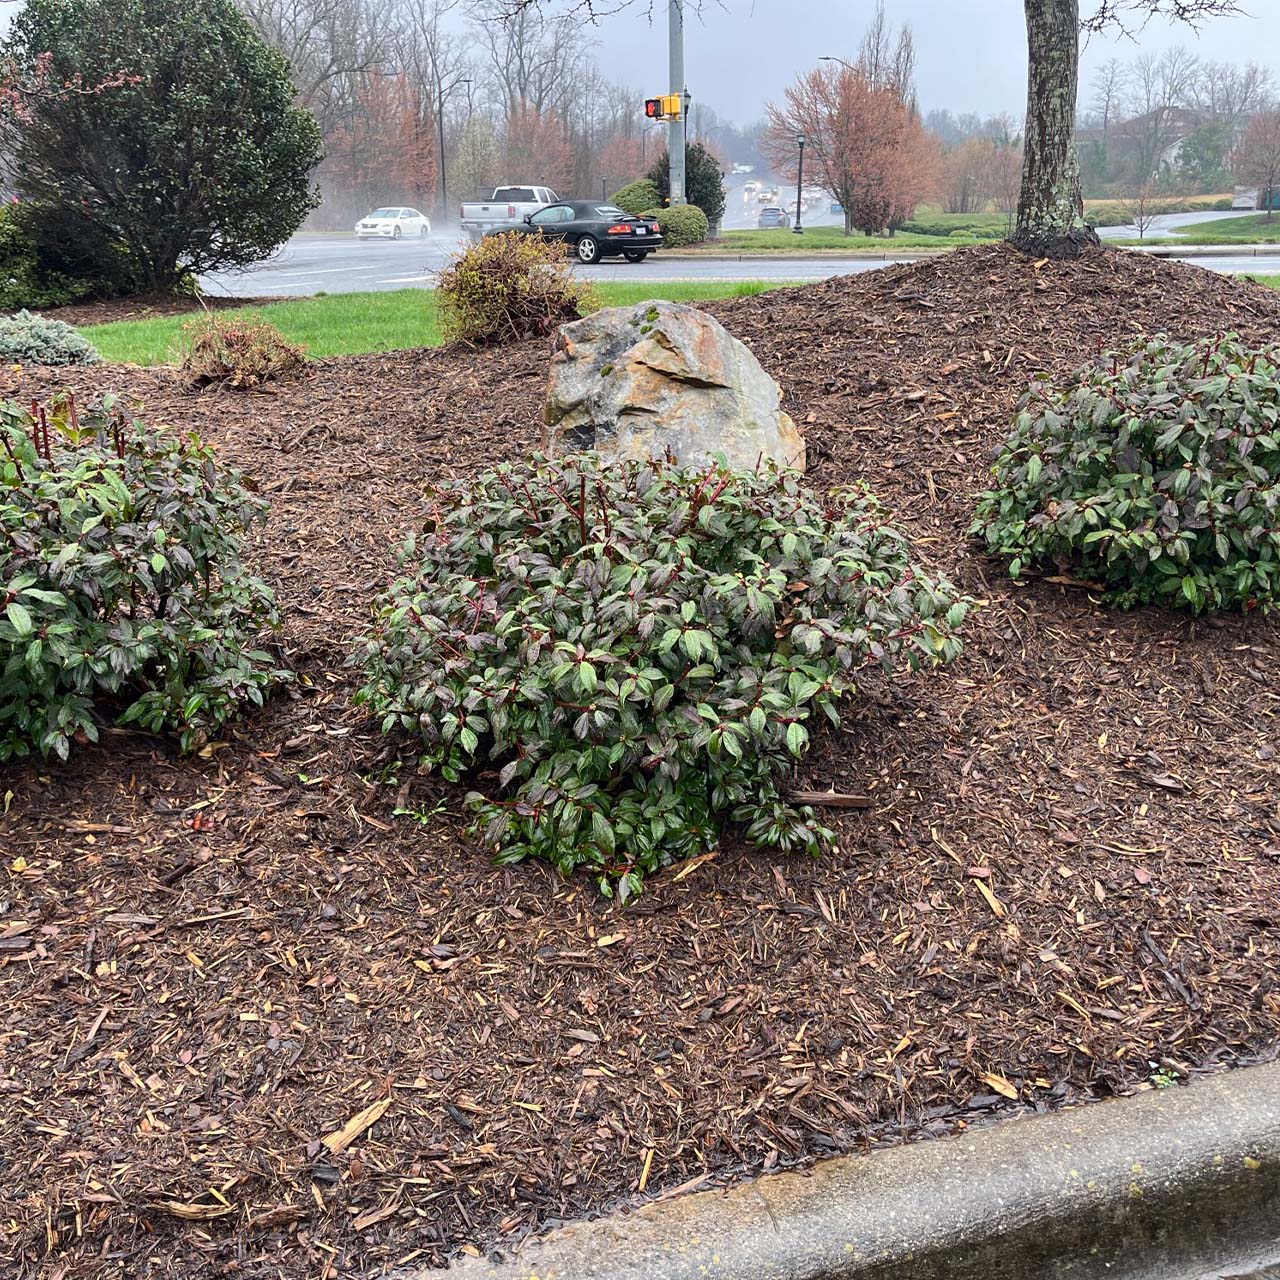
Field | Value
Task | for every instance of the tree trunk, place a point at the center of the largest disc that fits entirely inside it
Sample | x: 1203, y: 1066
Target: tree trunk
x: 1050, y: 222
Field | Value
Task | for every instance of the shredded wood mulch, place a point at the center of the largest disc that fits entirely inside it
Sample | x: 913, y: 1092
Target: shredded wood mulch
x: 268, y: 1013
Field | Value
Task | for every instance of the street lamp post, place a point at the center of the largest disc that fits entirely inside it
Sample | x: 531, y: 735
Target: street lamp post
x: 798, y: 229
x: 442, y: 94
x: 848, y: 66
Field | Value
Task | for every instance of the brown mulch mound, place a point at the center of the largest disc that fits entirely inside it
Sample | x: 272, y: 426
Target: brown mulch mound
x: 143, y: 306
x: 1068, y: 882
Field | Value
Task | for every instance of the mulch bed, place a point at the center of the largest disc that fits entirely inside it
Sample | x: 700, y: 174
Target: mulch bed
x: 1069, y: 879
x: 146, y: 307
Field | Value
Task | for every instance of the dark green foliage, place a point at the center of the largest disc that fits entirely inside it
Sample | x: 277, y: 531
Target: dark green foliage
x: 641, y: 650
x: 122, y: 596
x: 703, y: 180
x: 203, y: 164
x: 1154, y: 471
x: 42, y: 267
x: 681, y: 225
x: 28, y: 339
x: 638, y: 197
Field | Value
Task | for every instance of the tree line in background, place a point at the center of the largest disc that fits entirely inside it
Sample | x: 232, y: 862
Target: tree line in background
x: 1171, y: 123
x: 501, y: 97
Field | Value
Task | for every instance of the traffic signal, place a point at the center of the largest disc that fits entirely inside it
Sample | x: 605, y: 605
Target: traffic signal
x: 665, y: 108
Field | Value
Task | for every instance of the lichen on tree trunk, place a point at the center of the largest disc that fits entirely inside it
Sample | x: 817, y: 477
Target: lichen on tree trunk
x: 1050, y: 220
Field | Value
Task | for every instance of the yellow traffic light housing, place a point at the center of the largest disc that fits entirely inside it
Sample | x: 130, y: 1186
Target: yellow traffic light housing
x: 667, y: 107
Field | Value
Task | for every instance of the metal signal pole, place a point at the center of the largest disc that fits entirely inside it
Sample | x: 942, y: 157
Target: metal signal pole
x: 675, y: 130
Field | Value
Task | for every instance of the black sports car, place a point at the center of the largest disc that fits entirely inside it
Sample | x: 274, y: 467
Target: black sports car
x: 596, y: 230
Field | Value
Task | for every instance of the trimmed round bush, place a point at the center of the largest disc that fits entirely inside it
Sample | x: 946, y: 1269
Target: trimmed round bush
x: 508, y: 287
x: 638, y: 197
x: 682, y: 224
x: 125, y: 599
x: 28, y: 339
x: 640, y: 651
x: 1155, y: 471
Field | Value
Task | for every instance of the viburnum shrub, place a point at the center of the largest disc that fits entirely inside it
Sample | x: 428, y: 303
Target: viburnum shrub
x: 640, y: 650
x: 508, y: 287
x: 237, y: 352
x: 122, y: 595
x: 1155, y: 471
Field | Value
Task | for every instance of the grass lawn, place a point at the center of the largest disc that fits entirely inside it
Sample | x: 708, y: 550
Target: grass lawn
x: 1252, y: 228
x: 352, y: 323
x: 785, y: 241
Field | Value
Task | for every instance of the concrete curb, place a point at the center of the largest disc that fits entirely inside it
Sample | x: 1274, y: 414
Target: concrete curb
x: 1170, y: 1184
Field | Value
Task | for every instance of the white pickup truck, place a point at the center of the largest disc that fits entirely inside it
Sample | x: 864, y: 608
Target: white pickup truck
x: 505, y: 209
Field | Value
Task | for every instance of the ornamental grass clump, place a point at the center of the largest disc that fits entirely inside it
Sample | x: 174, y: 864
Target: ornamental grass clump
x: 509, y: 287
x: 237, y: 352
x: 122, y: 595
x: 1154, y: 471
x: 639, y: 651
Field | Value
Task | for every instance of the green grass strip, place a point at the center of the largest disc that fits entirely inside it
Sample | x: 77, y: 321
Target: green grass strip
x: 355, y: 323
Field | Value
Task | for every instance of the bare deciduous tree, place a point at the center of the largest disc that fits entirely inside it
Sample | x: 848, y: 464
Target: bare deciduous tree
x: 1258, y: 158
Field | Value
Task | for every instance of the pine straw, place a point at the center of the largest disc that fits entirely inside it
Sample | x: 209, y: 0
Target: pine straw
x: 1068, y: 880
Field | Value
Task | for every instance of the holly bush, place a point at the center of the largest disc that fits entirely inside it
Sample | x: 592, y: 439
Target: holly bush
x: 641, y: 651
x: 122, y: 595
x: 1154, y: 470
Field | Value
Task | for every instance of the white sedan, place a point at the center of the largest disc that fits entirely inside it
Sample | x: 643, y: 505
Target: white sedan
x: 392, y: 224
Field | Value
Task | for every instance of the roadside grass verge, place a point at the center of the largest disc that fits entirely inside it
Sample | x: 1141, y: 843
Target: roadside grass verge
x: 784, y: 240
x: 356, y: 323
x: 1252, y: 229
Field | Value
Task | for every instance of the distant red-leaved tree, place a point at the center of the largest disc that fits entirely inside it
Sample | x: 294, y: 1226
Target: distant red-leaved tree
x: 538, y: 150
x: 621, y: 161
x: 385, y: 153
x: 864, y: 145
x: 1257, y: 159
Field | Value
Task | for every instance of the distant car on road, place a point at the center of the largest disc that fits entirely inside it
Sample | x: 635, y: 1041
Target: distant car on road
x: 392, y: 224
x: 594, y: 230
x: 505, y: 210
x: 772, y: 216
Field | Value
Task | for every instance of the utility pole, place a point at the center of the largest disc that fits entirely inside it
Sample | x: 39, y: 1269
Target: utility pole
x: 675, y: 129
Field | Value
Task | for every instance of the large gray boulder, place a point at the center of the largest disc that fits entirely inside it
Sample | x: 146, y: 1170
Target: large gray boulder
x: 637, y: 382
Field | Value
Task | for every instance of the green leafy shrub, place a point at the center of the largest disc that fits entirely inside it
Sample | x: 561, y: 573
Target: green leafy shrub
x: 194, y: 157
x: 1154, y: 471
x: 124, y: 595
x: 34, y: 272
x: 638, y: 197
x: 28, y: 339
x: 641, y: 650
x: 683, y: 224
x: 703, y: 180
x: 508, y: 287
x: 237, y: 352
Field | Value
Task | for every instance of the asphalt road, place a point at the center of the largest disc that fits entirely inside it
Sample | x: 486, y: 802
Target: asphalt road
x: 340, y: 264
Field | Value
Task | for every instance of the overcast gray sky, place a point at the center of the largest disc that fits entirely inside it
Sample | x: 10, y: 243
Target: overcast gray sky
x: 971, y: 54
